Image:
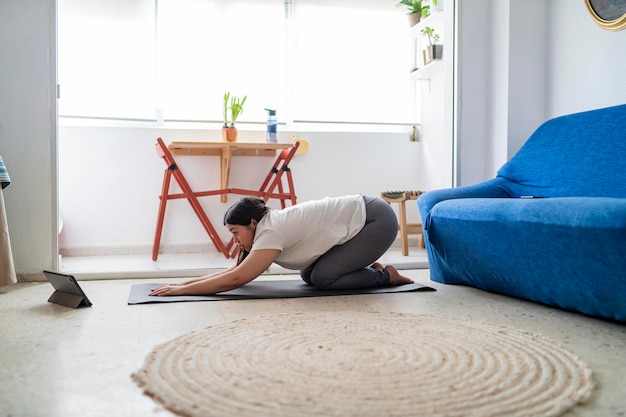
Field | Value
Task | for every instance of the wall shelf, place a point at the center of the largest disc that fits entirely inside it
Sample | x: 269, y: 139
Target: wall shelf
x: 429, y: 71
x: 431, y: 20
x: 433, y: 68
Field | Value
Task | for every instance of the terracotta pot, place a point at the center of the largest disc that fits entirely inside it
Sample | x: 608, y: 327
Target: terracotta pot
x: 414, y: 18
x: 229, y: 134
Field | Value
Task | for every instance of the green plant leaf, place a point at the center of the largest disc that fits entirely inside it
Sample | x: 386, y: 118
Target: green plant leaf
x: 414, y: 6
x: 226, y: 97
x: 236, y: 108
x: 433, y: 37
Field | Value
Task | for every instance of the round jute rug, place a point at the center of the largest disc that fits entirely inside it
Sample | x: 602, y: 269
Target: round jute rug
x: 363, y: 364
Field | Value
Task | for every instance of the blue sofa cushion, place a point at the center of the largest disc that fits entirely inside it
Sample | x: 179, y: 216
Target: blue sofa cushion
x: 567, y: 250
x: 544, y: 250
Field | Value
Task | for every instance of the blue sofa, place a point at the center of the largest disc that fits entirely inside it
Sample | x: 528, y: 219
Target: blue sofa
x: 566, y: 249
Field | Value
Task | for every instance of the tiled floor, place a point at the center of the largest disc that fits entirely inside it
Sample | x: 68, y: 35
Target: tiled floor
x: 63, y: 362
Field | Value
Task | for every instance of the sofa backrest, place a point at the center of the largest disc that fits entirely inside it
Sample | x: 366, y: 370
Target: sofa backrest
x: 581, y: 154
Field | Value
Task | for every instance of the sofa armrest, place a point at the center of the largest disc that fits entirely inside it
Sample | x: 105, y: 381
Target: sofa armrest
x: 493, y: 188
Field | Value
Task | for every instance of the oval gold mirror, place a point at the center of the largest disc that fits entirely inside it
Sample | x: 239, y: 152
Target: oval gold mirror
x: 608, y: 14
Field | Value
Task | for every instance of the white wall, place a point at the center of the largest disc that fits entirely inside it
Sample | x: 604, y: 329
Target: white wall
x: 110, y: 179
x: 27, y: 126
x: 475, y: 74
x: 586, y: 64
x: 502, y: 82
x: 537, y: 60
x: 528, y: 21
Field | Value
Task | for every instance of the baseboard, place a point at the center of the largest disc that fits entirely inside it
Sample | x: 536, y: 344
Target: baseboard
x: 146, y: 249
x: 119, y: 250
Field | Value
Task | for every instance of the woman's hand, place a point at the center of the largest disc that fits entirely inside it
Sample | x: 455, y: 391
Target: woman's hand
x: 168, y: 289
x: 253, y: 266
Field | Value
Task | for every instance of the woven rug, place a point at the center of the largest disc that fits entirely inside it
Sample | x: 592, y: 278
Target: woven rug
x: 363, y: 364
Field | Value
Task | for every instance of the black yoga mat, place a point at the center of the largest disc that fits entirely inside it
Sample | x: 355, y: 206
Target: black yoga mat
x: 263, y: 289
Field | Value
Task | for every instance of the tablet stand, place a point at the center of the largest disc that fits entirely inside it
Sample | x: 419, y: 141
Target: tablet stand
x: 68, y: 300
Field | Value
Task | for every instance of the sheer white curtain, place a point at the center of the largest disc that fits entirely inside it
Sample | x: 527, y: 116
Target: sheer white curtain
x: 352, y: 62
x: 209, y: 47
x: 106, y: 61
x: 7, y: 268
x: 312, y: 60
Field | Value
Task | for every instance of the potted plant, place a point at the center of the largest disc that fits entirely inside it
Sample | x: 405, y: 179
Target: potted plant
x: 434, y: 5
x: 229, y: 131
x: 417, y: 10
x: 434, y: 49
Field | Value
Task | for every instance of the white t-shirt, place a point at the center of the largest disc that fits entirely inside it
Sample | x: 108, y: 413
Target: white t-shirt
x: 306, y: 231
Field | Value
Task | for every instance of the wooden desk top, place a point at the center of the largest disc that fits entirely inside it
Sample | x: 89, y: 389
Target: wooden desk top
x: 235, y: 148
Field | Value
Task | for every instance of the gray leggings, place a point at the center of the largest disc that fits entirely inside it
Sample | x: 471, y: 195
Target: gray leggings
x: 348, y: 265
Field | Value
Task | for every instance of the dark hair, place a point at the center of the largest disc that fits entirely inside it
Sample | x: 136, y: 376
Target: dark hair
x: 244, y: 210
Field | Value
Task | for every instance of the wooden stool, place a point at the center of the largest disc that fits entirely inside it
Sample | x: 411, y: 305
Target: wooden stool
x: 405, y: 229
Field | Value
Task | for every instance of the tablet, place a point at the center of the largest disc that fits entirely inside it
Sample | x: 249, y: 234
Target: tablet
x: 67, y: 291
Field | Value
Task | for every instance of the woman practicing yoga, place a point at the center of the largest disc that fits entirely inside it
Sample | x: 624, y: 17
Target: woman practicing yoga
x: 334, y: 242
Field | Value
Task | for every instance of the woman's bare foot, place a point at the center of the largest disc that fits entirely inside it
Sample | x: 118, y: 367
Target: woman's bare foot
x: 378, y: 265
x: 395, y: 278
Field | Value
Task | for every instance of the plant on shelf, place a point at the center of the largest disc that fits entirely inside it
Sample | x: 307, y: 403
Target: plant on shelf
x: 433, y: 37
x: 433, y: 6
x: 434, y: 49
x: 417, y: 10
x: 235, y: 105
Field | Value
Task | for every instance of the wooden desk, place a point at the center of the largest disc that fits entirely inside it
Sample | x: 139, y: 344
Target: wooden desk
x: 271, y: 188
x: 226, y: 150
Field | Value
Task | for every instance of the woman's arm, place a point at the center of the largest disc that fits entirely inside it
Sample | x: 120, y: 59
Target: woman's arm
x: 212, y: 275
x: 254, y: 265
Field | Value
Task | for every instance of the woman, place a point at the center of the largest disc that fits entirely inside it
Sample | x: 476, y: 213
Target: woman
x: 334, y: 242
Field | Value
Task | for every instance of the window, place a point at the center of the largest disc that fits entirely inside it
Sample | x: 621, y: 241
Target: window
x: 313, y: 61
x: 352, y: 62
x: 206, y: 48
x: 106, y: 58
